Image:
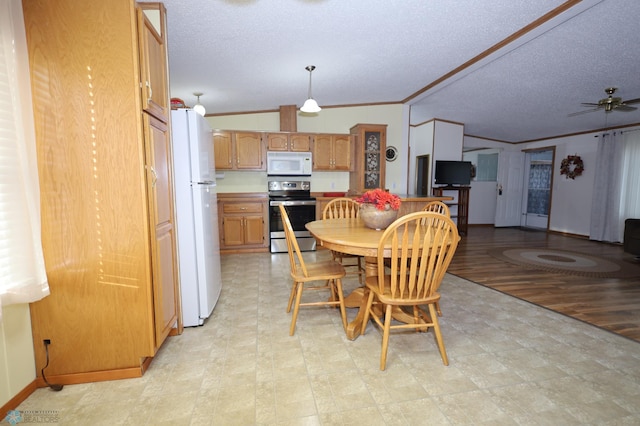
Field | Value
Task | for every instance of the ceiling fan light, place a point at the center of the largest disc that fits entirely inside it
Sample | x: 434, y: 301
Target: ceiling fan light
x: 310, y: 105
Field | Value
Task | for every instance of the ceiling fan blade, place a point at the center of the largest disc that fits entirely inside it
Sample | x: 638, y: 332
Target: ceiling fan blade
x: 589, y: 104
x: 631, y: 101
x: 583, y: 112
x: 625, y: 108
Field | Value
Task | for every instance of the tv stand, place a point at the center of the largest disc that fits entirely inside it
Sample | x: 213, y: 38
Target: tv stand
x: 461, y: 201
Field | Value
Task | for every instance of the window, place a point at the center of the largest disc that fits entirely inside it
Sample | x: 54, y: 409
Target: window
x: 22, y: 273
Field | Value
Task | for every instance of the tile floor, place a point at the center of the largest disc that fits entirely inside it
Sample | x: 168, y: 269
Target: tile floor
x: 511, y: 363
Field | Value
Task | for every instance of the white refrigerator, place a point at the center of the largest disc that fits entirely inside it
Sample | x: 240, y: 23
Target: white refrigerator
x: 196, y: 215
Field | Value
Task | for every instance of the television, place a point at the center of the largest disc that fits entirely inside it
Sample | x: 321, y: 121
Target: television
x: 453, y: 173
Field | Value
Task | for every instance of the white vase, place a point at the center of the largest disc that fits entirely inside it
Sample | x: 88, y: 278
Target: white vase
x: 377, y: 219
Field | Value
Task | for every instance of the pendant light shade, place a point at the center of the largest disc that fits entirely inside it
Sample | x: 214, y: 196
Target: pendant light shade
x: 198, y: 107
x: 310, y: 105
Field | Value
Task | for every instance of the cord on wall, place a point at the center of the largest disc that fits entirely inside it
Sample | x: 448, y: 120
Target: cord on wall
x: 53, y: 387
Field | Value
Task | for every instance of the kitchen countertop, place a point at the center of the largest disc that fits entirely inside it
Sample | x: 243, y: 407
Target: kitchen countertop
x: 403, y: 197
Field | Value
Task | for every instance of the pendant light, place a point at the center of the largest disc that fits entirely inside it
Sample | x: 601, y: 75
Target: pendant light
x: 310, y: 105
x: 198, y: 107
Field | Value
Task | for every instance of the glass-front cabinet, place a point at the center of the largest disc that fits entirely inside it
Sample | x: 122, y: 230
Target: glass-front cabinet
x: 370, y: 142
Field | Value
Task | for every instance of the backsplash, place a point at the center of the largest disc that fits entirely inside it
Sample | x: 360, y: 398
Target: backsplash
x: 235, y: 181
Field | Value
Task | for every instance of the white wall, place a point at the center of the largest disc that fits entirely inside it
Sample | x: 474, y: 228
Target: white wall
x: 571, y: 198
x: 441, y: 140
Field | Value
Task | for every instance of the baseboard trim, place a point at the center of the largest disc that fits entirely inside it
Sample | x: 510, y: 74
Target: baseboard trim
x: 20, y: 397
x: 91, y: 376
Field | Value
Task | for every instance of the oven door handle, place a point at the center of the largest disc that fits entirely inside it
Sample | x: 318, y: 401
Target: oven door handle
x: 293, y: 203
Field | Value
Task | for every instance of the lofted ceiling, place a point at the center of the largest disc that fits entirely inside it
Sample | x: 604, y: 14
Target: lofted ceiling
x: 509, y: 70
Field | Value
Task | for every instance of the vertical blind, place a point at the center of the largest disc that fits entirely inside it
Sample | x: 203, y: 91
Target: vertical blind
x: 22, y: 272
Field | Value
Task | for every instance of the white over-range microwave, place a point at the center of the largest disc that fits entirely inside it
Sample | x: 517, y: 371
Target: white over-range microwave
x: 281, y: 163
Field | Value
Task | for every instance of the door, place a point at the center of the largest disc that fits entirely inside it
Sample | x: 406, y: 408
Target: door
x: 342, y: 152
x: 162, y: 229
x: 509, y: 188
x: 537, y: 199
x: 207, y: 250
x: 153, y: 62
x: 422, y: 175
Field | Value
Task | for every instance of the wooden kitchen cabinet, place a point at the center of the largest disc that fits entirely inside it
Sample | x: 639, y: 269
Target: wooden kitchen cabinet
x: 369, y: 147
x: 239, y: 150
x: 107, y: 218
x: 153, y: 59
x: 243, y: 223
x: 295, y: 142
x: 331, y: 152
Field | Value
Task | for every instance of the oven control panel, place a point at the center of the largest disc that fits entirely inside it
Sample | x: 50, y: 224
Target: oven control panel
x: 289, y: 185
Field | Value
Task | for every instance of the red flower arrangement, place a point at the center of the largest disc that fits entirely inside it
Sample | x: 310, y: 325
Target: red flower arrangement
x: 380, y: 199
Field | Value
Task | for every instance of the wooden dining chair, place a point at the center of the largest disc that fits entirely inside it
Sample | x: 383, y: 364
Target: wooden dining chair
x: 329, y: 271
x: 437, y: 207
x: 421, y: 245
x: 442, y: 208
x: 339, y: 208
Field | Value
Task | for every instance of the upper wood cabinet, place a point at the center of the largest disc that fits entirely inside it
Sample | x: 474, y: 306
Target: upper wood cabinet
x: 153, y: 59
x: 239, y: 150
x: 299, y: 142
x: 108, y: 233
x: 332, y: 152
x: 369, y: 147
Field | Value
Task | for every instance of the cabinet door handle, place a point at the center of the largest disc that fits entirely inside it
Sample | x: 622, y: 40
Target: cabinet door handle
x: 149, y: 92
x: 155, y: 176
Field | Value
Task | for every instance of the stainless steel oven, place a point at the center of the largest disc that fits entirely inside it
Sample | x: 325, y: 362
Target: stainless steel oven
x: 301, y: 209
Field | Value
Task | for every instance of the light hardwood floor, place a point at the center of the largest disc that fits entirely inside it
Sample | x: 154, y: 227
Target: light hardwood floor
x: 610, y: 303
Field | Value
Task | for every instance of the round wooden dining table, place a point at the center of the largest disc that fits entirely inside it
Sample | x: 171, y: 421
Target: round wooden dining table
x: 353, y: 237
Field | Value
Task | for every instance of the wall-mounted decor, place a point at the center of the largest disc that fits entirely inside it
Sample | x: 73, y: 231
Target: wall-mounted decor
x: 391, y: 153
x: 571, y: 166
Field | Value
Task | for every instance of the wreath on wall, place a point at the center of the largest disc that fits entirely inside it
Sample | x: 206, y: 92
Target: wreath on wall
x: 571, y: 166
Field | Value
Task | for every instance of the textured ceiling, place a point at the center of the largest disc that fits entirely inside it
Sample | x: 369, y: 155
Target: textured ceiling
x: 498, y: 66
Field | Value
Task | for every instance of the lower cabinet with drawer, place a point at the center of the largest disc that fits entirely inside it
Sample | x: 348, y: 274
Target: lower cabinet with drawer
x: 243, y: 222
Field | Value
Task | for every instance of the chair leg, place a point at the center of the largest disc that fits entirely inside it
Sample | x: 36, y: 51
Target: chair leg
x: 291, y: 296
x: 296, y: 308
x: 343, y: 310
x: 385, y: 338
x: 438, y: 309
x: 367, y: 311
x: 438, y: 334
x: 332, y: 289
x: 360, y: 270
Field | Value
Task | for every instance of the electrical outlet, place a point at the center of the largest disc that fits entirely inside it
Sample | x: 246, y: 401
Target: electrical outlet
x: 46, y: 341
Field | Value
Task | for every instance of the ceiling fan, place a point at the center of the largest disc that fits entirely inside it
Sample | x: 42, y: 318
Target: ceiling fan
x: 609, y: 103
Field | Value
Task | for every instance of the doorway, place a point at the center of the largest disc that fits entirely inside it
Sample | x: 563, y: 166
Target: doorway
x: 422, y: 175
x: 537, y: 199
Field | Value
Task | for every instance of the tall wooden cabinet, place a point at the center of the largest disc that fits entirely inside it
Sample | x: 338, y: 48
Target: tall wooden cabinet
x: 369, y: 163
x: 104, y: 156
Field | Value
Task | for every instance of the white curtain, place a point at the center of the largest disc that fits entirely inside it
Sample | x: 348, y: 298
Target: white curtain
x: 630, y: 196
x: 22, y: 272
x: 605, y: 211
